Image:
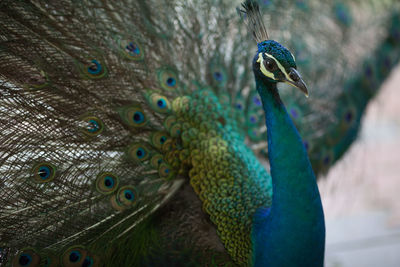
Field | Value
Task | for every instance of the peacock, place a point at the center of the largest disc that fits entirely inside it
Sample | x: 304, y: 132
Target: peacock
x: 291, y: 231
x: 140, y: 133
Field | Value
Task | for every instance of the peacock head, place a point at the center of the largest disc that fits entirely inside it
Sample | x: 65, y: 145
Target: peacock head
x: 274, y: 63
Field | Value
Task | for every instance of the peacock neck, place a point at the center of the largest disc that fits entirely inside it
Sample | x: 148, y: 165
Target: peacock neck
x: 293, y: 179
x: 292, y: 230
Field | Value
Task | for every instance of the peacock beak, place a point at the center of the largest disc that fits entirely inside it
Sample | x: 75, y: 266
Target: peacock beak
x: 296, y: 81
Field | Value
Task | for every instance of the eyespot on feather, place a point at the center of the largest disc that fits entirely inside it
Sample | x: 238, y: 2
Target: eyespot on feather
x: 218, y: 75
x: 295, y: 112
x: 325, y: 159
x: 254, y: 134
x: 43, y: 172
x: 131, y: 49
x: 349, y: 116
x: 239, y: 105
x: 138, y: 152
x: 93, y: 69
x: 159, y: 103
x: 156, y: 160
x: 27, y: 257
x: 158, y: 139
x: 253, y: 119
x: 133, y: 116
x: 168, y: 78
x: 106, y: 183
x: 93, y: 125
x: 127, y: 195
x: 90, y: 261
x: 74, y: 256
x: 165, y: 171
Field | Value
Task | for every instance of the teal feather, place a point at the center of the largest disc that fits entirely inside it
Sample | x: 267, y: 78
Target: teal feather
x: 133, y: 133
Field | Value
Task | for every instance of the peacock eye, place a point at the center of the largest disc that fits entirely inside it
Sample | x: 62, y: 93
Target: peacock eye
x: 270, y: 64
x: 294, y: 76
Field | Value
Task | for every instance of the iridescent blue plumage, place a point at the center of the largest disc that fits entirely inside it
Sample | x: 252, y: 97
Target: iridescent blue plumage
x: 292, y: 231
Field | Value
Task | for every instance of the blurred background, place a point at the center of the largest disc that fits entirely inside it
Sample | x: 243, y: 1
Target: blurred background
x: 361, y: 192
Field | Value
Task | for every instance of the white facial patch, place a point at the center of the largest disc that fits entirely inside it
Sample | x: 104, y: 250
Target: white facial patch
x: 270, y: 74
x: 262, y: 67
x: 294, y: 59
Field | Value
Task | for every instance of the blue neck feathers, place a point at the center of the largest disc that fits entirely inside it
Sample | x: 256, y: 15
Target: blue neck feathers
x: 292, y: 231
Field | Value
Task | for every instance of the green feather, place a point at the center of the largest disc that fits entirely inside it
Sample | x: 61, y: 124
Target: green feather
x: 89, y: 90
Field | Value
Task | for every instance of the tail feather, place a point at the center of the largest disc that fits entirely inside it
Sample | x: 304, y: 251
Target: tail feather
x: 107, y: 108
